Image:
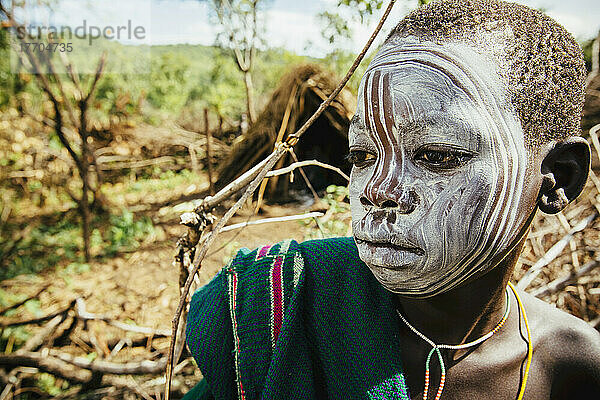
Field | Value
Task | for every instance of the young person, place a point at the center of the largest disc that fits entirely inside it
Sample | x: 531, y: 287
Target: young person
x: 467, y: 122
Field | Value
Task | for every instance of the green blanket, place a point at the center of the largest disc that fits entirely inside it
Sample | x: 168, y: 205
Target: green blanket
x: 296, y: 321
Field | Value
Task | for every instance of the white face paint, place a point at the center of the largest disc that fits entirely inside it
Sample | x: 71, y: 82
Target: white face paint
x: 439, y: 172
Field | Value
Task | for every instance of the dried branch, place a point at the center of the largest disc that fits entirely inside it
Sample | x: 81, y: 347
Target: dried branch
x: 594, y: 137
x: 306, y: 163
x: 10, y: 381
x: 106, y: 367
x: 269, y: 162
x: 243, y: 180
x: 47, y: 364
x: 61, y: 90
x: 20, y: 303
x: 282, y: 130
x: 560, y: 283
x: 137, y: 164
x: 211, y: 187
x: 97, y: 75
x: 271, y: 220
x: 71, y: 72
x: 82, y: 314
x: 553, y: 252
x: 37, y: 340
x: 45, y: 86
x: 79, y: 369
x: 4, y: 322
x: 234, y: 187
x: 306, y: 180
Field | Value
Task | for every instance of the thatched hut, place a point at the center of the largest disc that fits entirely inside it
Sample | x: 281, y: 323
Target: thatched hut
x: 292, y: 103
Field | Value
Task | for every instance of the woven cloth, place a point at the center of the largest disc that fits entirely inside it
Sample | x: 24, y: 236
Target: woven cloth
x: 296, y: 321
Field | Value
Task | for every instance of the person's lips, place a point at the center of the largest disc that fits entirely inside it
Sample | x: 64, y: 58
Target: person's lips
x: 387, y: 244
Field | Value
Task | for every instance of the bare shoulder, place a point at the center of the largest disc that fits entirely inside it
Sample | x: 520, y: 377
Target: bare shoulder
x: 568, y: 346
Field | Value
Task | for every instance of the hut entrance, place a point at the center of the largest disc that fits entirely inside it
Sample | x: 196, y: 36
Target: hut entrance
x: 298, y: 96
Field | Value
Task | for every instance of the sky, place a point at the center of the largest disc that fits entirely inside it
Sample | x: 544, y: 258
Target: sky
x: 291, y: 24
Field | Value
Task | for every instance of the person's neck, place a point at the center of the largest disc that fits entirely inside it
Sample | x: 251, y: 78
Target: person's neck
x: 465, y: 313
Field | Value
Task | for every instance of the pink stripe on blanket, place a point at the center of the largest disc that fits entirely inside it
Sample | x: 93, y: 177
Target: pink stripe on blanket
x: 277, y: 298
x: 263, y: 251
x: 233, y: 294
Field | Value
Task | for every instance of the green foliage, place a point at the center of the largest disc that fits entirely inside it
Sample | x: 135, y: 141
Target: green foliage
x: 335, y: 27
x: 339, y: 62
x: 48, y: 384
x: 19, y: 335
x: 48, y: 245
x: 170, y: 73
x: 587, y: 47
x: 126, y: 232
x: 335, y: 197
x: 337, y: 220
x: 230, y: 250
x: 364, y: 8
x: 5, y: 75
x: 41, y: 247
x: 75, y: 268
x: 162, y: 181
x: 222, y: 88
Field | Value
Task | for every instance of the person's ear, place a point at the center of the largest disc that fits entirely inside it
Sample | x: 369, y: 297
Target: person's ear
x: 565, y: 170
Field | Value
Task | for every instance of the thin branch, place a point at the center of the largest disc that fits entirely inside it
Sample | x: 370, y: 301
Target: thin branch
x: 71, y: 72
x: 34, y: 342
x: 62, y: 92
x: 243, y: 180
x: 97, y: 75
x: 47, y: 364
x: 58, y: 128
x: 20, y: 303
x: 306, y: 180
x: 106, y: 367
x: 137, y: 164
x: 20, y: 321
x: 82, y: 314
x: 306, y: 163
x: 560, y: 283
x: 232, y: 188
x: 553, y: 252
x: 271, y: 220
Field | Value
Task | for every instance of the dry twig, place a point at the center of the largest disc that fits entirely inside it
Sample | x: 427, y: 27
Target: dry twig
x: 553, y: 252
x: 20, y: 303
x: 560, y: 283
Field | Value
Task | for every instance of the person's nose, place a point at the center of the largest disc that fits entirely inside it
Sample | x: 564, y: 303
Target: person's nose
x: 390, y: 193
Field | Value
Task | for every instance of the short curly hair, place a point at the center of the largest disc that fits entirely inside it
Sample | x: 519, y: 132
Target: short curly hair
x: 544, y: 65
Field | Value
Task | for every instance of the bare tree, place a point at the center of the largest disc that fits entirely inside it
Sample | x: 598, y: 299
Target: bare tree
x: 69, y: 121
x: 240, y: 24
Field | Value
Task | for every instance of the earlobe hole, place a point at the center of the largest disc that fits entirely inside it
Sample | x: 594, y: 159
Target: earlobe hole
x: 566, y: 174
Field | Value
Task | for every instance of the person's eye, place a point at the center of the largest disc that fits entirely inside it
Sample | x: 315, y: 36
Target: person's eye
x: 442, y: 158
x: 359, y: 158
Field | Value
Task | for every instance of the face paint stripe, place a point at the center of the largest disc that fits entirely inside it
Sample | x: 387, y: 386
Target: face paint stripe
x: 386, y: 123
x: 371, y: 101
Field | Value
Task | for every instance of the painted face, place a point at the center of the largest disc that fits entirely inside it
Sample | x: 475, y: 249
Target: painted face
x: 440, y: 186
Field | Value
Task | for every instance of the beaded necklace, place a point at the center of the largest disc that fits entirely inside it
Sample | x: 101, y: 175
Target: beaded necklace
x: 435, y: 348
